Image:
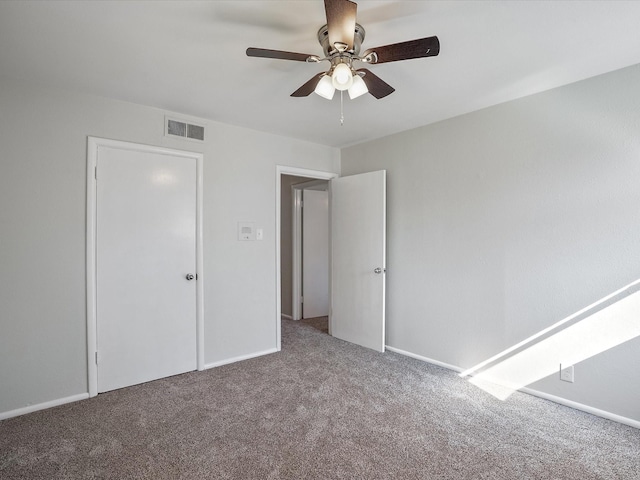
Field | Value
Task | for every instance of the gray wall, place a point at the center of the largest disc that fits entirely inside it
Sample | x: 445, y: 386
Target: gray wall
x: 504, y: 221
x: 514, y: 217
x: 43, y: 138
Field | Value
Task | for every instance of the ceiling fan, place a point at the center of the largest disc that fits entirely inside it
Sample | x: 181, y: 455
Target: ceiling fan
x: 341, y: 39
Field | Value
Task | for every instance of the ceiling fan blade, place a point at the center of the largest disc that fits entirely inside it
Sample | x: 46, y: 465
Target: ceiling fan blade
x: 341, y: 21
x: 308, y: 87
x: 422, y: 47
x: 279, y: 54
x: 376, y: 86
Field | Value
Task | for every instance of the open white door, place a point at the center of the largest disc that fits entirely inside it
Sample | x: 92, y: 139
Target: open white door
x: 358, y: 225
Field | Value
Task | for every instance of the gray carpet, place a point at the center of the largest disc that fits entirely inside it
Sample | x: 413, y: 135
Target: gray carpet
x: 321, y: 409
x: 319, y: 323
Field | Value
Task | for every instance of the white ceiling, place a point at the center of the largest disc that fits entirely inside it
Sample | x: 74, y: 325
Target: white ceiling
x: 189, y: 57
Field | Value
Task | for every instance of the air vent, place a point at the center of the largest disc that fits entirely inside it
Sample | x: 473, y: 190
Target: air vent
x: 177, y: 128
x: 184, y: 129
x: 195, y: 131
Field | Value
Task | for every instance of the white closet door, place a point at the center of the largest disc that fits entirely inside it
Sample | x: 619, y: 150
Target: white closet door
x: 146, y: 252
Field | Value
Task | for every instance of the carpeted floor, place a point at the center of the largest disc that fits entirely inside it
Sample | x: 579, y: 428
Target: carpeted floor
x: 319, y: 323
x: 321, y: 409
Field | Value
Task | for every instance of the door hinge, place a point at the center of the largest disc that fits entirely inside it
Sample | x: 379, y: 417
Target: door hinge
x: 301, y: 299
x: 301, y: 203
x: 95, y: 173
x: 96, y: 357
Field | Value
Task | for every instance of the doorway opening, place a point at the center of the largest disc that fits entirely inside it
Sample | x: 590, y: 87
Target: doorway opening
x: 309, y: 234
x: 305, y: 260
x: 357, y: 266
x: 286, y: 178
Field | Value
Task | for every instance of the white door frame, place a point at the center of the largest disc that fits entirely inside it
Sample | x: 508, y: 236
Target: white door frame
x: 93, y: 144
x: 296, y: 244
x: 298, y: 172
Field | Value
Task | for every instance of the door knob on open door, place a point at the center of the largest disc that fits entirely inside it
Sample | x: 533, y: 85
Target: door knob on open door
x: 377, y: 270
x: 190, y: 276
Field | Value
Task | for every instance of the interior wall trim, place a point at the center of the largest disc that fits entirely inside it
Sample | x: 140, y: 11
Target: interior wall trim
x: 536, y: 393
x: 582, y: 407
x: 448, y: 366
x: 43, y: 406
x: 240, y: 358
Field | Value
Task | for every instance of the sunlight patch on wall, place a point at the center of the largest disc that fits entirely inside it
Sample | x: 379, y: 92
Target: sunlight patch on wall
x: 606, y: 324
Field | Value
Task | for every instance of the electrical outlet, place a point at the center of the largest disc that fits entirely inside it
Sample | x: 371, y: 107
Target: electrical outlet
x: 566, y: 373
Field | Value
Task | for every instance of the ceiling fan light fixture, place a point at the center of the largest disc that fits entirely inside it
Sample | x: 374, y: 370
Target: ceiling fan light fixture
x: 342, y: 77
x: 358, y: 88
x: 325, y: 87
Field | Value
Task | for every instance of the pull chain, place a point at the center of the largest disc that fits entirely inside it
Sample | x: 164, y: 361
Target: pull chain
x: 341, y: 110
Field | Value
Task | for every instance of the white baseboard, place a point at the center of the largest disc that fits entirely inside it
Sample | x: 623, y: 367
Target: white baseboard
x: 424, y: 359
x: 42, y: 406
x: 582, y: 407
x: 239, y: 358
x: 287, y: 317
x: 83, y: 396
x: 536, y: 393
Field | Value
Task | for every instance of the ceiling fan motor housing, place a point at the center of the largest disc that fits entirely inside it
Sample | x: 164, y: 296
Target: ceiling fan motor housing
x: 329, y: 50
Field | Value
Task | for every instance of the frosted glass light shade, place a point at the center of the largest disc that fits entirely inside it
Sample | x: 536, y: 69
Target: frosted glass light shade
x: 324, y: 88
x: 358, y: 88
x: 342, y: 77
